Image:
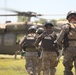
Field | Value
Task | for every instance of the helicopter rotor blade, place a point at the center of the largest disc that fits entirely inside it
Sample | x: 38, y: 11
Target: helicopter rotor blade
x: 53, y: 14
x: 20, y: 14
x: 29, y: 13
x: 8, y: 14
x: 11, y: 10
x: 15, y: 11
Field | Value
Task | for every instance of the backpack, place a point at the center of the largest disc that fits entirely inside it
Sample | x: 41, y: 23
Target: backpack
x: 30, y: 40
x: 48, y: 41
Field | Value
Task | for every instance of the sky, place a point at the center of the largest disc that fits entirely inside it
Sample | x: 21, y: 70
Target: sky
x: 38, y: 6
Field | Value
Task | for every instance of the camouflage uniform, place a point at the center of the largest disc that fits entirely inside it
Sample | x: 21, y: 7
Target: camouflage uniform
x: 31, y: 55
x: 49, y: 56
x: 68, y: 38
x: 70, y: 52
x: 39, y: 31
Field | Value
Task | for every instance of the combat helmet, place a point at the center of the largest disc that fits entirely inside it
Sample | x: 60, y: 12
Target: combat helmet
x: 32, y: 29
x: 40, y: 30
x: 48, y: 24
x: 70, y: 13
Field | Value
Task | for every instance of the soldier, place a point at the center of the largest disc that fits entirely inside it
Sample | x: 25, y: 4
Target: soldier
x: 67, y: 37
x: 31, y: 52
x: 39, y: 31
x: 49, y: 56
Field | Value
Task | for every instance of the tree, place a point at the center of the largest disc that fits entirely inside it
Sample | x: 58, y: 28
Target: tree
x: 62, y: 19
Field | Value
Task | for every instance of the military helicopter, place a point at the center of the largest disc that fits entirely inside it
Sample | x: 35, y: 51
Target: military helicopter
x: 8, y: 34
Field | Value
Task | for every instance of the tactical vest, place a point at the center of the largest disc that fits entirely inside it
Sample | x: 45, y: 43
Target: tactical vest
x: 70, y: 37
x: 48, y: 41
x: 30, y: 40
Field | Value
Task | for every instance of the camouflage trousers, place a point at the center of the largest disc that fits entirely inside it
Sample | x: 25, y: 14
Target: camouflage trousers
x: 50, y: 61
x: 40, y: 68
x: 69, y: 58
x: 31, y: 62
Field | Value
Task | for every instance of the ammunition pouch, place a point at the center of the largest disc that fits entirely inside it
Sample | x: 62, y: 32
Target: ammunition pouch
x: 31, y: 49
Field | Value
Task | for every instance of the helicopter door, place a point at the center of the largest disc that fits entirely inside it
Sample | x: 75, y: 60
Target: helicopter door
x: 9, y: 39
x: 8, y: 43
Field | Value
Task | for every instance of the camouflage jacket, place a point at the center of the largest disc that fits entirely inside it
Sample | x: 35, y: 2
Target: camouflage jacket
x: 40, y: 38
x: 68, y: 30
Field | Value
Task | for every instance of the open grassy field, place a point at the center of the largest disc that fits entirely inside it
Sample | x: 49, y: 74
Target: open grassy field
x: 11, y: 66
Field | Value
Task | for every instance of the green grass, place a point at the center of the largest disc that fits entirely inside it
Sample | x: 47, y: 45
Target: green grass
x: 11, y: 66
